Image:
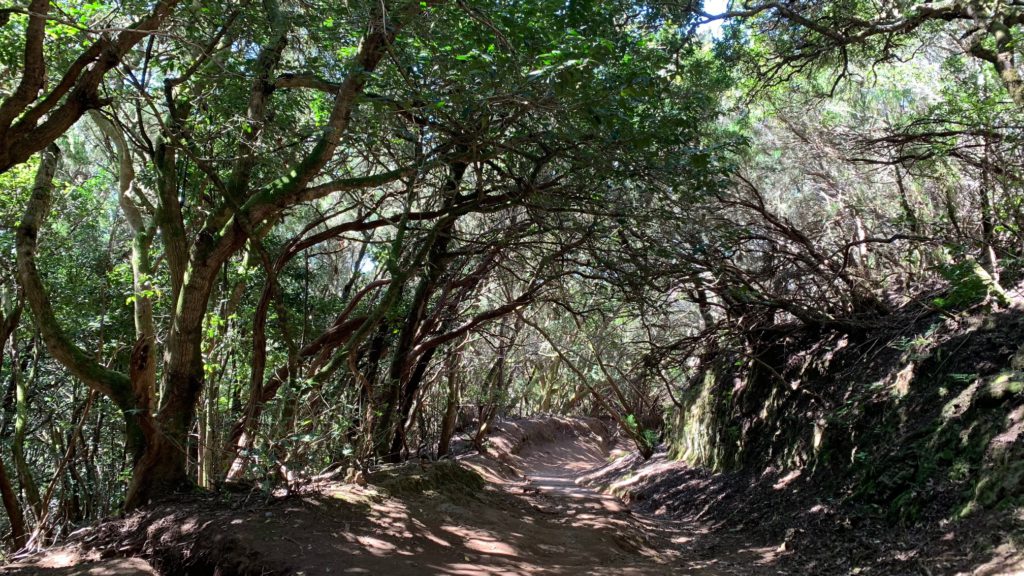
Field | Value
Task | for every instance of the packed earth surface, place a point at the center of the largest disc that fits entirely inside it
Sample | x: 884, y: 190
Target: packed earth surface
x: 529, y: 504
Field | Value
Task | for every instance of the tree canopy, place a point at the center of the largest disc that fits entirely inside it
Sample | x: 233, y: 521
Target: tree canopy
x: 253, y: 241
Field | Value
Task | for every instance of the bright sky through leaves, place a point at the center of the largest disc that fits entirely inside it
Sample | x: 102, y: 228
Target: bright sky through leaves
x: 714, y: 7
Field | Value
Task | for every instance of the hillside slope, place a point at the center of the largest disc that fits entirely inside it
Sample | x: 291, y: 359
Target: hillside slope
x: 888, y: 448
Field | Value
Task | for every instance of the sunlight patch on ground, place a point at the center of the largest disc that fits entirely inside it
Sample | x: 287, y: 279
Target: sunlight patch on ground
x: 787, y: 479
x: 481, y: 541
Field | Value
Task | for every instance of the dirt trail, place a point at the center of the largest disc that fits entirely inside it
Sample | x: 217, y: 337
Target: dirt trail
x: 558, y: 452
x: 530, y: 518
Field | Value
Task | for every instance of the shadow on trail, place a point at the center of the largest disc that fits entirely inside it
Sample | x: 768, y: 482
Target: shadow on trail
x: 529, y: 518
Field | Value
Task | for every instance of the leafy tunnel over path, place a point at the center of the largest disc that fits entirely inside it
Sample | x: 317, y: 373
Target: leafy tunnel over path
x: 779, y: 248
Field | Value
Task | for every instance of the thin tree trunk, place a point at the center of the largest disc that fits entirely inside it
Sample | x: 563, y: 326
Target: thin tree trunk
x: 19, y: 534
x: 8, y: 324
x: 451, y: 410
x: 25, y: 477
x: 988, y: 225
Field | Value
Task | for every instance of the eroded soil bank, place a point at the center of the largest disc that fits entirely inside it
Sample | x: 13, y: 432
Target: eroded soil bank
x: 529, y: 506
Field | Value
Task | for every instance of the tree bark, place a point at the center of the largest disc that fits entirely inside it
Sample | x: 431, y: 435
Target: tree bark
x: 19, y: 534
x: 451, y: 410
x: 139, y: 427
x: 31, y: 119
x: 9, y: 321
x: 158, y: 445
x: 21, y: 467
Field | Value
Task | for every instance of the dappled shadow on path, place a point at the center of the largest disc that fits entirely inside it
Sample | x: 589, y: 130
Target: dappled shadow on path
x: 530, y: 518
x: 553, y: 468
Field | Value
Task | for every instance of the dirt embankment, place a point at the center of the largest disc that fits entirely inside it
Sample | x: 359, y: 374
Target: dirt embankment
x: 893, y: 448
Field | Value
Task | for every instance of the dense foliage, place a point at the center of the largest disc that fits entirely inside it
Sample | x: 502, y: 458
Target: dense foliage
x: 253, y: 242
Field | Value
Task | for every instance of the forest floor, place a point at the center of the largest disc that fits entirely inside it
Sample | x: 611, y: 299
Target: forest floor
x: 529, y: 516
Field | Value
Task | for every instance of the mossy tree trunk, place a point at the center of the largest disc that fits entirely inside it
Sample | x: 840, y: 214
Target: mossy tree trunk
x: 9, y: 320
x: 158, y: 442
